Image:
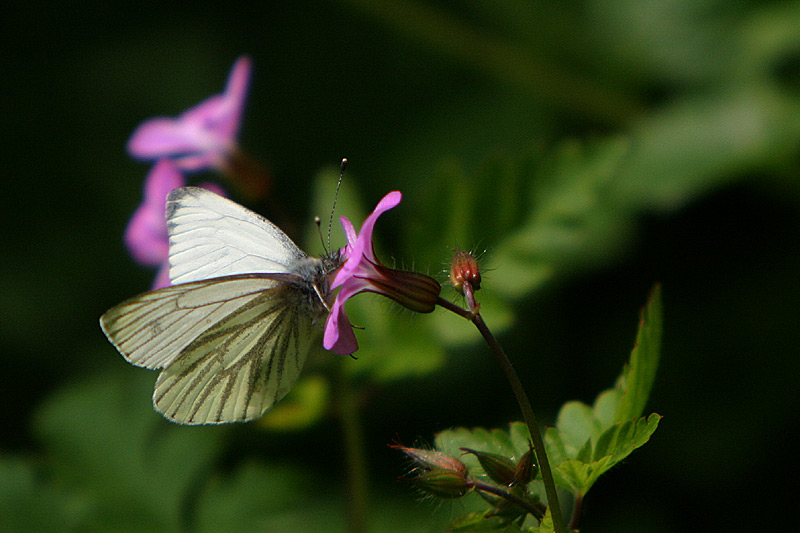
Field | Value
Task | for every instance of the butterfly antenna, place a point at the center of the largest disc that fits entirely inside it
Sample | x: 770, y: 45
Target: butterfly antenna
x: 318, y: 222
x: 335, y: 198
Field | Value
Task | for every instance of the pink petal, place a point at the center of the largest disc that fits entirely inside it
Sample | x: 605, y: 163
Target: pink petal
x: 201, y: 135
x: 339, y: 336
x: 349, y: 230
x: 236, y: 95
x: 163, y: 178
x: 162, y: 277
x: 146, y: 234
x: 145, y: 238
x: 364, y: 242
x: 164, y: 137
x: 354, y: 276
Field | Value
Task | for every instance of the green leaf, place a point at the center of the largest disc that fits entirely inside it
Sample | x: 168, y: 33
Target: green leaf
x: 120, y: 458
x: 614, y: 445
x: 637, y: 380
x: 546, y: 526
x: 587, y: 441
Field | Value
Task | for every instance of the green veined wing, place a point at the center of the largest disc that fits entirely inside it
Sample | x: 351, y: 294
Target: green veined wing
x: 229, y: 347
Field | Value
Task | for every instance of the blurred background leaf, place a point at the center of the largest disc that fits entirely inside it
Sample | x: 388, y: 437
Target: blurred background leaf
x: 584, y: 149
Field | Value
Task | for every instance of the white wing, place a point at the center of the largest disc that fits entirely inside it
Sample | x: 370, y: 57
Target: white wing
x: 230, y: 347
x: 151, y: 330
x: 211, y: 236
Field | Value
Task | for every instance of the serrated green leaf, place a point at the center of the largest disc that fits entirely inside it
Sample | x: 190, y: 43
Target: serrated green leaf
x: 513, y: 444
x: 587, y: 441
x: 637, y: 380
x: 621, y: 439
x: 577, y: 424
x: 580, y: 475
x: 612, y: 447
x: 606, y: 406
x: 546, y: 526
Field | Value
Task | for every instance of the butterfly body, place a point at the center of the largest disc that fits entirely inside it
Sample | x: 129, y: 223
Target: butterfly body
x: 232, y: 333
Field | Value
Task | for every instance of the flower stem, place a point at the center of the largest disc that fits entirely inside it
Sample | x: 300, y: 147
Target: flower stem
x: 497, y: 491
x: 522, y: 400
x: 354, y: 449
x: 576, y: 512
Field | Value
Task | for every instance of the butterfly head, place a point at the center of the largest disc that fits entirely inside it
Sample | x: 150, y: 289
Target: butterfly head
x: 314, y: 277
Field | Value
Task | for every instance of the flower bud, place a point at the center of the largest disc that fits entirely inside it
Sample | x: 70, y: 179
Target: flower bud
x: 432, y: 460
x: 526, y: 469
x: 500, y: 469
x: 465, y: 269
x: 441, y: 483
x: 436, y: 473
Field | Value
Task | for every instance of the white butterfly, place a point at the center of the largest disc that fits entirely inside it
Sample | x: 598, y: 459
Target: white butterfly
x: 232, y: 332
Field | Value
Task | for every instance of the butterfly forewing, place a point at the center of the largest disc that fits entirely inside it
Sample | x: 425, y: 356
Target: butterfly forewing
x: 211, y: 236
x: 151, y: 329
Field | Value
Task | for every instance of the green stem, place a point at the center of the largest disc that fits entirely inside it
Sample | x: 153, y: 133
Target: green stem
x: 524, y: 404
x: 354, y: 450
x: 576, y: 511
x: 497, y: 491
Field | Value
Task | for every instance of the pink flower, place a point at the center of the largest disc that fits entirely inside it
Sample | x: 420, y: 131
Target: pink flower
x: 362, y: 272
x: 204, y: 135
x: 146, y: 235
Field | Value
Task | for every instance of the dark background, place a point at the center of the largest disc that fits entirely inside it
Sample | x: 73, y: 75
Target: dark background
x: 711, y: 91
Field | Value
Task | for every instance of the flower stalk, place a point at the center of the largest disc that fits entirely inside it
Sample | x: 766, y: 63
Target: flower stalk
x: 530, y: 420
x: 469, y: 271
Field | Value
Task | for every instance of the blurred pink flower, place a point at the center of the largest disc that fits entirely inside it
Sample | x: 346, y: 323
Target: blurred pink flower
x: 202, y: 136
x: 362, y: 272
x: 146, y: 235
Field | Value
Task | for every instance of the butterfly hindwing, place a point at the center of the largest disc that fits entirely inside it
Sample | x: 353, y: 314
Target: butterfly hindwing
x: 238, y: 369
x: 211, y: 236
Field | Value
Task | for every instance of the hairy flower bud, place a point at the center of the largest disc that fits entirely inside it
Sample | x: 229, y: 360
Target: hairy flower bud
x: 464, y: 268
x: 431, y: 459
x: 441, y: 483
x: 436, y: 473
